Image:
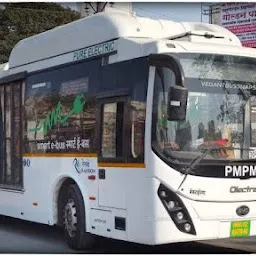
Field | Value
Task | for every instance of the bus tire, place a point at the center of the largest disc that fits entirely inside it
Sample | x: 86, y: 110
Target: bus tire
x: 74, y: 221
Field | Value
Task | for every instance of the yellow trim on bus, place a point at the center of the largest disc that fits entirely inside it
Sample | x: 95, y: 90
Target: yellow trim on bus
x: 115, y: 165
x: 123, y: 165
x: 60, y: 155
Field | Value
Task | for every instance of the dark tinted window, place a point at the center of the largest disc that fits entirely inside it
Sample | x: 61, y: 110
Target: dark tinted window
x: 60, y: 112
x: 130, y: 77
x: 11, y: 134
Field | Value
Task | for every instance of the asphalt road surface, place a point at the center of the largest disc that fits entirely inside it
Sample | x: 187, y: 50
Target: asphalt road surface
x: 18, y: 236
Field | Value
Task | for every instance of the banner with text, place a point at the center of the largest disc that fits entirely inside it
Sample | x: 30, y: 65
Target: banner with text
x: 240, y: 18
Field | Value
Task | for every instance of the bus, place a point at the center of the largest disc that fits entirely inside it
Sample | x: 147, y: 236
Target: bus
x: 132, y: 129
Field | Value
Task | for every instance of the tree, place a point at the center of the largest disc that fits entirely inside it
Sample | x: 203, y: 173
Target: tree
x: 22, y: 20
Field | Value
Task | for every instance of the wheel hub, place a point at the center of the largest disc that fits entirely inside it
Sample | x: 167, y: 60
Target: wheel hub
x: 70, y: 219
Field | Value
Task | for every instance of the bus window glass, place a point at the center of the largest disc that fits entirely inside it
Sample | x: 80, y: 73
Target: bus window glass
x: 109, y: 130
x: 11, y: 129
x: 138, y: 128
x: 60, y: 115
x: 220, y: 109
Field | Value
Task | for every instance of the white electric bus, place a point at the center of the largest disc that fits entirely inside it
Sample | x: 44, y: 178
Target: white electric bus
x: 130, y: 128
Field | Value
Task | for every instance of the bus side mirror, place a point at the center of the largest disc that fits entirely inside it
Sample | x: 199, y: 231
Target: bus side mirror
x: 177, y: 103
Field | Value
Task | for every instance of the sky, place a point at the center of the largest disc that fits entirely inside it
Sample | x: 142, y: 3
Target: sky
x: 173, y: 11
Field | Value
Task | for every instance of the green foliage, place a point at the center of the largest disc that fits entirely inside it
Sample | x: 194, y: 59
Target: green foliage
x: 21, y: 20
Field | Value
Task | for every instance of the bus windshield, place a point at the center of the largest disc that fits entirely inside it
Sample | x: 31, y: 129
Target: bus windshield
x: 221, y: 109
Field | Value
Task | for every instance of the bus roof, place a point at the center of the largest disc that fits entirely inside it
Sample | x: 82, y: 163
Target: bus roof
x: 99, y: 28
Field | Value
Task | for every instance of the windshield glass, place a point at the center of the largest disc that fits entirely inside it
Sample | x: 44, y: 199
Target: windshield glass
x: 221, y: 109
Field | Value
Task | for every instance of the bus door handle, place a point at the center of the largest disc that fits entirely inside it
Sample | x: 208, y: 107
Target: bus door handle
x: 102, y: 174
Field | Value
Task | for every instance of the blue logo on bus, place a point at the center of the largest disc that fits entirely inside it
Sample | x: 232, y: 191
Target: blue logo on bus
x: 81, y: 165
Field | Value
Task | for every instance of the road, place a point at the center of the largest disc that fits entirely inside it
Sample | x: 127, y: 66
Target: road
x: 18, y: 236
x: 246, y: 244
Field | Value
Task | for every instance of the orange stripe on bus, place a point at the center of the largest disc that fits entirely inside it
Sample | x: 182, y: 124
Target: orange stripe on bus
x: 124, y: 165
x: 60, y: 155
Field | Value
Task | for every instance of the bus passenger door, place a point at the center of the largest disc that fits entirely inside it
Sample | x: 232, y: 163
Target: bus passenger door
x: 111, y: 140
x: 11, y: 126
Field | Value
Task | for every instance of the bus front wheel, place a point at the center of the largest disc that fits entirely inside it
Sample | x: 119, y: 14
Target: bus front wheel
x: 74, y: 220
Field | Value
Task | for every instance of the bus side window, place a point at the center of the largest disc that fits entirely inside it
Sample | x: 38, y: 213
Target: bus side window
x: 138, y: 112
x: 112, y: 130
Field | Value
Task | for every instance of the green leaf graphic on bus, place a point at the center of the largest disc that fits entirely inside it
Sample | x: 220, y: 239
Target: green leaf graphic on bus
x: 55, y: 116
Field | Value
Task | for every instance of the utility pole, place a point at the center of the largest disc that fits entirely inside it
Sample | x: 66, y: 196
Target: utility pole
x: 90, y: 8
x: 213, y: 11
x: 95, y: 7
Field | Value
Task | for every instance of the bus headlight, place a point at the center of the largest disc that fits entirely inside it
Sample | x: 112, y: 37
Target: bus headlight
x: 176, y: 209
x: 180, y: 215
x: 171, y: 205
x: 187, y: 227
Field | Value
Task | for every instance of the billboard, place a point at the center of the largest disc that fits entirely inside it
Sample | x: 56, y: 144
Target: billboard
x: 240, y: 18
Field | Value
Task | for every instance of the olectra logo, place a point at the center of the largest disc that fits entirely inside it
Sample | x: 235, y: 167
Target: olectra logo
x: 236, y: 189
x: 240, y: 171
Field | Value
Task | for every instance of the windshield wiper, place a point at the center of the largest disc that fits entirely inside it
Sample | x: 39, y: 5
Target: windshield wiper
x: 168, y: 153
x: 190, y: 166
